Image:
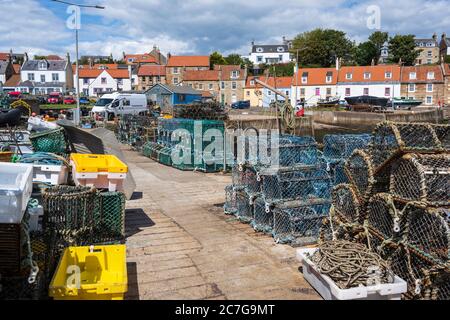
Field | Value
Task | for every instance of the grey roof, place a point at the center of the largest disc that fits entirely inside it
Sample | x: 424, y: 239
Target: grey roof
x: 34, y: 84
x: 425, y: 41
x: 270, y: 48
x: 52, y: 65
x: 3, y: 66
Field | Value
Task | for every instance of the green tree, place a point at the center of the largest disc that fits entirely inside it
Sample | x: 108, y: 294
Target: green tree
x: 40, y: 57
x: 365, y: 53
x: 378, y: 39
x: 403, y: 47
x: 234, y: 59
x: 216, y: 58
x: 281, y: 69
x: 322, y: 47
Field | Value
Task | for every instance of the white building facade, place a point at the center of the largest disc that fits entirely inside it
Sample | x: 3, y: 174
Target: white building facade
x: 269, y: 54
x: 95, y: 82
x: 314, y: 84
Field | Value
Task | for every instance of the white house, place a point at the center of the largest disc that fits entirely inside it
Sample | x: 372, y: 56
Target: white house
x: 269, y: 54
x: 46, y: 76
x: 313, y: 84
x: 380, y: 81
x: 281, y: 84
x: 94, y: 82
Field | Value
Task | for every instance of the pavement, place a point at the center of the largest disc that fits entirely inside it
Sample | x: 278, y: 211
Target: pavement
x: 180, y: 244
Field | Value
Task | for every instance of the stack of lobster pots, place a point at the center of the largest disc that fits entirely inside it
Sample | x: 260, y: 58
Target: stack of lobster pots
x: 397, y: 202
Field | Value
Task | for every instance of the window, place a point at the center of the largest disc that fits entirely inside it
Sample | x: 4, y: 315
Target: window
x: 222, y: 85
x: 120, y: 82
x: 175, y: 80
x: 233, y: 85
x: 302, y: 91
x: 86, y: 92
x: 210, y: 86
x: 304, y: 79
x: 259, y: 49
x: 103, y: 81
x: 388, y: 75
x: 429, y: 100
x: 31, y: 76
x: 234, y: 74
x: 328, y: 91
x: 269, y: 93
x: 430, y: 54
x: 347, y: 92
x: 329, y: 79
x: 429, y: 61
x: 252, y: 82
x: 200, y: 86
x: 175, y: 70
x: 42, y: 65
x: 412, y: 75
x: 130, y: 60
x: 85, y: 81
x: 349, y: 76
x: 55, y: 77
x: 430, y: 75
x: 280, y: 49
x: 429, y: 87
x: 387, y: 92
x: 317, y: 91
x: 412, y: 87
x: 367, y: 75
x: 287, y: 92
x: 190, y: 85
x: 247, y: 93
x: 42, y: 77
x: 259, y: 58
x: 280, y: 57
x: 366, y: 91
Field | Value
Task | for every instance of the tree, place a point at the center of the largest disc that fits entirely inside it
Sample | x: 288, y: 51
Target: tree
x: 365, y: 53
x: 378, y: 39
x: 322, y: 47
x: 216, y: 58
x: 234, y: 59
x: 403, y: 47
x: 40, y: 57
x: 281, y: 69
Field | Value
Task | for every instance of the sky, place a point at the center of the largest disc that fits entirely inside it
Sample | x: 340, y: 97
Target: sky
x: 203, y: 26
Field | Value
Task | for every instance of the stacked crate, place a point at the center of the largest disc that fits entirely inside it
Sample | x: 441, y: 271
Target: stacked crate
x: 398, y: 203
x: 288, y: 198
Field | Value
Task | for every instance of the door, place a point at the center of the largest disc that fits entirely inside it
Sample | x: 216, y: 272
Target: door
x: 233, y: 98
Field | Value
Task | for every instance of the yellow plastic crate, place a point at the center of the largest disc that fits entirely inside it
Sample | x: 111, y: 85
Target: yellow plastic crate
x: 91, y: 273
x: 97, y: 163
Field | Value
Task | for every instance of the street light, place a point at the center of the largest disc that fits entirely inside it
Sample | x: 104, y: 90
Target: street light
x: 76, y: 117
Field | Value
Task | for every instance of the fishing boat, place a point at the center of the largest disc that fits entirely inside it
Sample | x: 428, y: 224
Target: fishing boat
x: 367, y: 100
x: 329, y: 102
x: 404, y: 102
x: 10, y: 117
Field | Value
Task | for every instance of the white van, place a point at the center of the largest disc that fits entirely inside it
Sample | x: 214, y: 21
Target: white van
x: 114, y: 104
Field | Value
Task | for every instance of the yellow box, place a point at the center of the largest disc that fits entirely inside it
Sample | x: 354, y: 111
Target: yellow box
x: 98, y: 163
x: 91, y: 273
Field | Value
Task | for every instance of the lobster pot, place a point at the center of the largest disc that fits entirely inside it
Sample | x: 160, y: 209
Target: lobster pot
x: 360, y: 172
x: 438, y: 286
x: 230, y: 206
x: 336, y: 170
x: 378, y: 245
x: 443, y: 134
x: 384, y: 217
x: 341, y: 146
x: 427, y: 231
x: 412, y: 268
x: 53, y: 141
x: 391, y: 140
x: 165, y: 156
x: 252, y: 181
x: 296, y: 184
x: 299, y: 223
x: 263, y: 216
x: 425, y: 178
x: 244, y: 204
x: 292, y: 150
x: 237, y: 175
x: 346, y: 204
x: 151, y: 150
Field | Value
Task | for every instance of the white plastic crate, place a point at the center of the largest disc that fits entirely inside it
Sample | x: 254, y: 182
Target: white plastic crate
x: 16, y: 185
x: 52, y: 174
x: 101, y: 180
x: 326, y: 287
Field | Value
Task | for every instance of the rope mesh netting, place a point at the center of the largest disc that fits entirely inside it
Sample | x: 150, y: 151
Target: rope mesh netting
x: 384, y: 217
x: 244, y: 205
x: 52, y: 141
x: 423, y: 178
x: 346, y: 203
x: 230, y: 206
x: 135, y: 130
x: 263, y: 216
x: 339, y: 147
x: 200, y: 111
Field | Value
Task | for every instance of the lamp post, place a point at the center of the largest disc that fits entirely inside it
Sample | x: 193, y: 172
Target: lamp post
x: 76, y: 117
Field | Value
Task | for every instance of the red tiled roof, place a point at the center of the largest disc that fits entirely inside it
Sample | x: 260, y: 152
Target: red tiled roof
x: 281, y: 82
x: 447, y: 69
x: 316, y: 76
x: 107, y: 65
x: 422, y: 74
x: 53, y: 57
x: 201, y: 75
x: 227, y: 69
x: 94, y: 73
x: 118, y: 73
x: 13, y: 81
x: 89, y: 73
x: 140, y: 58
x: 4, y: 56
x: 188, y: 61
x: 152, y: 70
x: 377, y: 73
x: 207, y: 94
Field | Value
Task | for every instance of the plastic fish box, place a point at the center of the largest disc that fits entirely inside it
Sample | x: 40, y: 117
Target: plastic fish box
x: 328, y: 289
x: 100, y: 171
x: 97, y: 273
x: 16, y: 186
x: 52, y: 174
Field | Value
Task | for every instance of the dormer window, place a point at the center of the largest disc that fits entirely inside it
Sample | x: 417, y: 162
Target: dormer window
x: 388, y: 75
x: 430, y: 75
x: 234, y: 74
x: 412, y: 76
x: 42, y: 65
x: 367, y: 75
x: 329, y: 77
x: 305, y: 77
x: 252, y: 82
x: 349, y: 76
x: 259, y: 49
x: 280, y: 49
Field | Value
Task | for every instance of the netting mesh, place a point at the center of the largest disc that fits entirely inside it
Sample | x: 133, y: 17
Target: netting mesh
x: 230, y: 206
x: 252, y: 180
x: 437, y: 285
x: 10, y: 248
x: 111, y: 212
x: 237, y: 173
x: 346, y: 203
x: 392, y: 139
x: 383, y: 217
x: 385, y: 248
x: 339, y: 147
x: 336, y: 170
x: 135, y: 130
x: 296, y: 184
x: 52, y: 141
x: 423, y: 178
x: 443, y: 134
x: 18, y: 288
x: 299, y: 223
x: 427, y: 231
x: 263, y: 216
x: 244, y: 204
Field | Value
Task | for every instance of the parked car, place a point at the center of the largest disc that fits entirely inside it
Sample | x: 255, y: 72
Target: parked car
x: 84, y: 101
x: 55, y: 98
x: 69, y: 100
x: 15, y: 94
x: 241, y: 105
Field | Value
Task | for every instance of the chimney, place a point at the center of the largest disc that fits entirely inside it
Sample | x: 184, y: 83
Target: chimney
x: 25, y: 57
x: 129, y: 72
x: 253, y: 43
x: 373, y: 62
x: 90, y: 62
x: 123, y: 53
x: 338, y: 63
x: 435, y: 36
x: 444, y: 35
